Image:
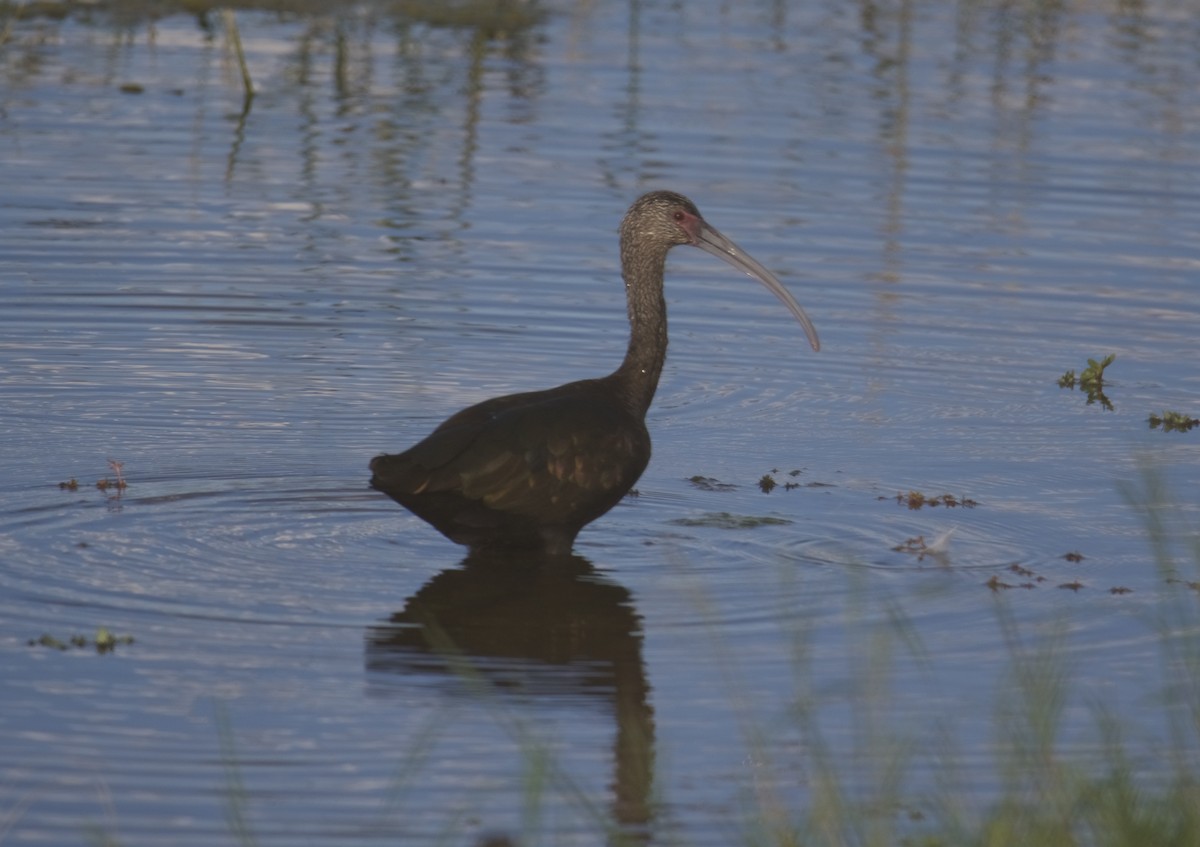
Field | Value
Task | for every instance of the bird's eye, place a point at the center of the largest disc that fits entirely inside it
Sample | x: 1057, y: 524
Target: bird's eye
x: 678, y: 215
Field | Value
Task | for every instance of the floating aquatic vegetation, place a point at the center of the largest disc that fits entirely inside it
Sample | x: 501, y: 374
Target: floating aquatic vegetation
x: 105, y: 483
x: 1173, y: 422
x: 1091, y: 381
x: 105, y: 641
x: 917, y: 500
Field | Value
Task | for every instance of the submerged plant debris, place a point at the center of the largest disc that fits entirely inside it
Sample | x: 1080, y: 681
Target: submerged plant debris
x: 1173, y: 422
x: 708, y: 483
x: 1091, y: 381
x: 726, y: 520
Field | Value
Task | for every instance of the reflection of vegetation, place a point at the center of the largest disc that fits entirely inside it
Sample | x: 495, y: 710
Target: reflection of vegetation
x: 495, y: 18
x: 1173, y: 422
x: 235, y: 38
x: 1091, y: 380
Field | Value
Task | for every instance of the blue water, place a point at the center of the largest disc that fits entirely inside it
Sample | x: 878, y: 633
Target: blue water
x: 243, y: 309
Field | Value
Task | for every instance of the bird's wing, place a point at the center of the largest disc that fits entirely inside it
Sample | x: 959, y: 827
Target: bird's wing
x: 555, y: 452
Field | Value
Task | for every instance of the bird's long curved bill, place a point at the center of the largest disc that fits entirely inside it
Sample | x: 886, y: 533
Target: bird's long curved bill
x: 712, y: 241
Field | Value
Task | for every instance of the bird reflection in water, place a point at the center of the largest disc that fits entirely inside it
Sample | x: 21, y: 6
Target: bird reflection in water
x: 539, y: 627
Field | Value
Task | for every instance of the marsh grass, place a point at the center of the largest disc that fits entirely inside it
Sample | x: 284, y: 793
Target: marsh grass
x: 1050, y: 792
x: 237, y: 814
x: 1055, y: 783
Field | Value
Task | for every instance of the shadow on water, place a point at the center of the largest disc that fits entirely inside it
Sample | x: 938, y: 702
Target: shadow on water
x: 541, y: 628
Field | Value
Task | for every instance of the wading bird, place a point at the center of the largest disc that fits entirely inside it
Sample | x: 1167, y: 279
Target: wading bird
x: 529, y: 470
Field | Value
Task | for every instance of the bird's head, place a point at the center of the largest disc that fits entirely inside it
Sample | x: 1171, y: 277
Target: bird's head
x: 660, y: 220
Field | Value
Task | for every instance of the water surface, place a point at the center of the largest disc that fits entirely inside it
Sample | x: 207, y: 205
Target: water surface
x: 243, y: 306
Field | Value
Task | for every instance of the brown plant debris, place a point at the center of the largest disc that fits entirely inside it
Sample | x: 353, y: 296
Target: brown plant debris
x: 917, y: 500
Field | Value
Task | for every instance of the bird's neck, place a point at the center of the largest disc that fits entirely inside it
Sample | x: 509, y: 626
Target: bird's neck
x: 637, y: 377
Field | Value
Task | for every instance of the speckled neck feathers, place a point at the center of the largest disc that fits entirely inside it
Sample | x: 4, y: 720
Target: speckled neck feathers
x: 643, y: 262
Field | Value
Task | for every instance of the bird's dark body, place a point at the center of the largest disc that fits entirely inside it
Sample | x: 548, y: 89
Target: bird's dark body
x: 528, y: 471
x: 568, y: 455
